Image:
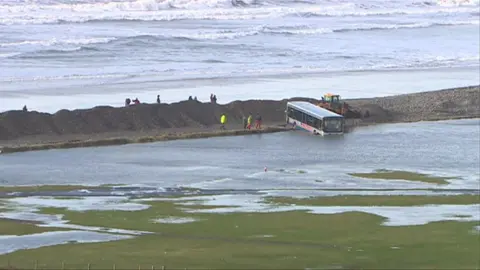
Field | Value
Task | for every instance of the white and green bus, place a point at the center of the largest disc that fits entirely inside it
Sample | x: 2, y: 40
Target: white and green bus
x: 307, y: 116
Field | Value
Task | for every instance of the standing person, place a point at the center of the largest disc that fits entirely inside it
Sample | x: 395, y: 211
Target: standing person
x: 258, y: 121
x: 244, y: 121
x: 158, y: 99
x: 223, y: 121
x: 249, y: 121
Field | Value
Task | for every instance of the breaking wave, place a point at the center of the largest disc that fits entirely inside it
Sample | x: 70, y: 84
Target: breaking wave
x: 152, y: 39
x: 93, y: 39
x: 56, y: 41
x: 58, y: 11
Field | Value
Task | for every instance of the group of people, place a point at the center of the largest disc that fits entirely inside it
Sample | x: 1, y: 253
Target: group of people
x: 128, y: 102
x: 213, y: 98
x: 247, y: 121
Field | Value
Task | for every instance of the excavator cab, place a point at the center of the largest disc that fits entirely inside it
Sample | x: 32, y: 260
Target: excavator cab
x: 332, y: 102
x: 330, y: 98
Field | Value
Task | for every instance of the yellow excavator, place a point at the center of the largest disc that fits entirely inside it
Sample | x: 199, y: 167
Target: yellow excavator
x: 333, y: 103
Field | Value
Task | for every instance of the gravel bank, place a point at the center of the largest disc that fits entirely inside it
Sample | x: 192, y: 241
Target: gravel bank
x: 426, y: 106
x: 192, y: 119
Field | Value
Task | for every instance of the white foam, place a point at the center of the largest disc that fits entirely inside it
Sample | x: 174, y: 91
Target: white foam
x: 81, y: 204
x: 56, y: 41
x: 200, y: 168
x: 12, y: 243
x: 176, y: 220
x: 210, y: 183
x: 38, y: 12
x: 126, y: 190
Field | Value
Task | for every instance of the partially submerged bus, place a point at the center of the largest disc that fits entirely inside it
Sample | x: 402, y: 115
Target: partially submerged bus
x: 312, y: 118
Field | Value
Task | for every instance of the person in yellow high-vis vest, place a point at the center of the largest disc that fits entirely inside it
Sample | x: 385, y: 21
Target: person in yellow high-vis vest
x: 223, y: 120
x: 249, y: 121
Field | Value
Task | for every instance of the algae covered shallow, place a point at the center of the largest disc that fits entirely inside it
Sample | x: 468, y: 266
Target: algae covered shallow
x: 378, y: 200
x: 404, y: 175
x: 16, y: 227
x: 230, y: 241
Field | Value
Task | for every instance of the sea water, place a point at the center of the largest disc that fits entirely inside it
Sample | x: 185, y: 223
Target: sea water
x: 75, y: 54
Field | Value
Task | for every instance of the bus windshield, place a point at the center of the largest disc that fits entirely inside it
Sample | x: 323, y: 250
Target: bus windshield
x: 333, y: 125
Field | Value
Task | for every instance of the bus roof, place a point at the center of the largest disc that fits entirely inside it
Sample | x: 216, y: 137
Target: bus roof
x: 312, y: 109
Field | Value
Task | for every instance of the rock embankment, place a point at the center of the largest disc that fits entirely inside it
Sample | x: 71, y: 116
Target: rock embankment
x: 436, y: 105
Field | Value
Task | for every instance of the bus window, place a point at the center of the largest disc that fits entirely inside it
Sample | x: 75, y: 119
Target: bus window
x: 291, y: 112
x: 318, y: 123
x: 310, y: 121
x: 299, y: 115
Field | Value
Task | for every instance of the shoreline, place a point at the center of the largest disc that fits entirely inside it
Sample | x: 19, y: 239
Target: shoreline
x: 107, y: 126
x: 113, y: 141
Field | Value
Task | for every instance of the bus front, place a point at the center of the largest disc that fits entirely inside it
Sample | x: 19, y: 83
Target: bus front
x: 333, y: 125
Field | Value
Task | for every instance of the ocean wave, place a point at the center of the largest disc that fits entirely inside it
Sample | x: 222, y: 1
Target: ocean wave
x: 9, y: 55
x: 291, y: 30
x: 456, y: 3
x: 308, y: 30
x: 56, y: 41
x: 168, y: 10
x: 409, y: 26
x: 52, y: 53
x: 158, y: 39
x: 382, y: 12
